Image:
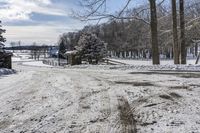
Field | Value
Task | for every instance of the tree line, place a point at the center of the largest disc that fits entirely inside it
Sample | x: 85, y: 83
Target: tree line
x: 143, y: 32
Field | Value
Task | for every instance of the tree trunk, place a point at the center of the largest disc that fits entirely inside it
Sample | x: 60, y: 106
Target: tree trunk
x: 182, y: 37
x: 154, y: 33
x: 196, y: 49
x: 175, y: 33
x: 197, y: 61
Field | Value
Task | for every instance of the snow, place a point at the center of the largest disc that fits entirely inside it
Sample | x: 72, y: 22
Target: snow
x: 2, y: 44
x: 17, y: 59
x: 36, y: 63
x: 5, y: 71
x: 176, y: 68
x: 99, y: 99
x: 25, y: 60
x: 22, y: 55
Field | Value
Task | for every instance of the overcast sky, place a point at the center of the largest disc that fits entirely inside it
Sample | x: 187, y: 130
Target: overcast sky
x: 42, y: 21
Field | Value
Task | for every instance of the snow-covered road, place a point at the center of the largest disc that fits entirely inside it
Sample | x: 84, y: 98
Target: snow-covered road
x: 53, y: 100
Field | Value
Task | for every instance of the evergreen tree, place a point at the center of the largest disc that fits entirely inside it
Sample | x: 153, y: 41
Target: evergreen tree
x: 62, y: 48
x: 91, y: 48
x: 2, y: 39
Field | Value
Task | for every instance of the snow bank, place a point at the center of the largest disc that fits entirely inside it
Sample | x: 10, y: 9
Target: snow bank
x: 4, y: 71
x: 143, y: 65
x: 139, y: 67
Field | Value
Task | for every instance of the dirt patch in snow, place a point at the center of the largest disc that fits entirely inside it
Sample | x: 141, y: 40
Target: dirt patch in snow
x: 178, y: 74
x: 175, y: 95
x: 167, y: 97
x: 127, y: 116
x: 195, y: 85
x: 4, y: 124
x: 180, y: 87
x: 153, y: 104
x: 135, y: 83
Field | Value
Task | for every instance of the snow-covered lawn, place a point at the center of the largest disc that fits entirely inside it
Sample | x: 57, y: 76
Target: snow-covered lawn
x: 41, y: 99
x: 28, y: 62
x: 149, y: 62
x: 36, y: 63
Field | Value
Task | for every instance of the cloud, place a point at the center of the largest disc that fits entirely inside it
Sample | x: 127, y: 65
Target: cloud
x: 42, y: 34
x: 40, y: 21
x: 29, y: 34
x: 22, y: 9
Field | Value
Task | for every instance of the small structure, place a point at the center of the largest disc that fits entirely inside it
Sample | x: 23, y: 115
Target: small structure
x: 5, y: 58
x: 72, y: 57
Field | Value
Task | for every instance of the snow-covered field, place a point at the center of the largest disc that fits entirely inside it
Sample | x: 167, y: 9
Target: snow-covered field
x: 103, y: 99
x: 149, y: 62
x: 24, y: 58
x: 36, y: 63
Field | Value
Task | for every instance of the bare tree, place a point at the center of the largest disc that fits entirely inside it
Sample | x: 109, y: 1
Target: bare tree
x: 154, y: 32
x: 34, y: 51
x: 175, y: 33
x: 96, y: 10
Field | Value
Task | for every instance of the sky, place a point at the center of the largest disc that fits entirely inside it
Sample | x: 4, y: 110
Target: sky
x: 42, y: 21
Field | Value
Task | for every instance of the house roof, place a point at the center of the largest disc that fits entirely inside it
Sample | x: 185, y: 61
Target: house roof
x: 71, y: 52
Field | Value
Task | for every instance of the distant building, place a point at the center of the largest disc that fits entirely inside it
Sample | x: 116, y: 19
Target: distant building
x: 53, y: 52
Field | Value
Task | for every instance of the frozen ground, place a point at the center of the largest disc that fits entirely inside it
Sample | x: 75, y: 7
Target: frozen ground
x: 42, y: 99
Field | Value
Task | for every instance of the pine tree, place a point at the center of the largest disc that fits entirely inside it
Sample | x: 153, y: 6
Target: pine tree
x: 91, y: 48
x: 62, y: 48
x: 2, y: 39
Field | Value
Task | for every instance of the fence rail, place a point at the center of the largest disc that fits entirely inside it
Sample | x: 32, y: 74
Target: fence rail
x: 55, y: 62
x: 112, y: 62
